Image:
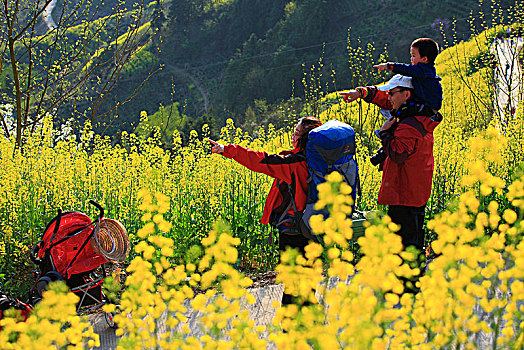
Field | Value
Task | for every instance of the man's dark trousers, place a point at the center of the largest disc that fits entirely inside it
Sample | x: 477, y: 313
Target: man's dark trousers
x: 411, y: 221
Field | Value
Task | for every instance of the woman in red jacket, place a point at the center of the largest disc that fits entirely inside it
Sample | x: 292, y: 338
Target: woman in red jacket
x: 289, y: 169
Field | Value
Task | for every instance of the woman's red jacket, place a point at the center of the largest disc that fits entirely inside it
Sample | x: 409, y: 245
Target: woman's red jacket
x: 287, y: 168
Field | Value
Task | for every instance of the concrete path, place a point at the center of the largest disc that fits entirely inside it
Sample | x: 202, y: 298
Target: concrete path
x: 508, y: 76
x: 261, y: 312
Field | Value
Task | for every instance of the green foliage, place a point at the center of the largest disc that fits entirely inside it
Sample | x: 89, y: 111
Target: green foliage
x: 479, y: 61
x: 239, y: 56
x: 165, y: 121
x: 265, y: 58
x: 143, y: 60
x: 108, y: 49
x: 302, y: 35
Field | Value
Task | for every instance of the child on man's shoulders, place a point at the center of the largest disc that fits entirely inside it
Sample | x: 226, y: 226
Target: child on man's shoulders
x: 426, y: 82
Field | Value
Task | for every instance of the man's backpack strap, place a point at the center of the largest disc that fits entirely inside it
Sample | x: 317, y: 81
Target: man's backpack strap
x: 359, y: 186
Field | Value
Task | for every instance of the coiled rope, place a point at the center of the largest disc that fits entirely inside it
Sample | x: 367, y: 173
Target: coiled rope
x: 110, y: 240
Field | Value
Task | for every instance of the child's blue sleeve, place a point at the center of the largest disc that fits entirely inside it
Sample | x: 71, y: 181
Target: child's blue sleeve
x: 414, y: 71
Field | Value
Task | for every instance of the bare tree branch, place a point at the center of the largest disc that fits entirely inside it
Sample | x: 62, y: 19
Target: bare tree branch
x: 63, y: 65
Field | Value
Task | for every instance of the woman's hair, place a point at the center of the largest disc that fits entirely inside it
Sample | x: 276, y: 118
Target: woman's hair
x: 307, y: 124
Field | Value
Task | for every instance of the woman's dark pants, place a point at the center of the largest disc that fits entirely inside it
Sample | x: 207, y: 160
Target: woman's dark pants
x: 293, y: 241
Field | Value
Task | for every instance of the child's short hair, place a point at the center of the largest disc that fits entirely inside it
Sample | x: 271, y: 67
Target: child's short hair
x: 426, y: 48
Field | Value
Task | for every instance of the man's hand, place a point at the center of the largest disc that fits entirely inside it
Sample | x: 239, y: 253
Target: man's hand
x: 388, y: 124
x: 381, y: 66
x: 350, y: 96
x: 216, y: 147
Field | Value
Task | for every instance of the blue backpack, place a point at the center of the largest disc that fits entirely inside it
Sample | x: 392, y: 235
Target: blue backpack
x: 330, y: 147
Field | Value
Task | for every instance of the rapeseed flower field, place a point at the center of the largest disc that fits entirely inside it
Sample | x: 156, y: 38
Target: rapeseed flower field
x: 170, y: 201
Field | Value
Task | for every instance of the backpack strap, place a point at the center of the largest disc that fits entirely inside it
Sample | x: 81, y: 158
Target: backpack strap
x: 357, y: 183
x: 289, y: 188
x: 292, y: 219
x: 359, y: 186
x: 281, y: 218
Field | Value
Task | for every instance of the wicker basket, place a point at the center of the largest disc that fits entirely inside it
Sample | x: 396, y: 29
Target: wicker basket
x: 110, y: 240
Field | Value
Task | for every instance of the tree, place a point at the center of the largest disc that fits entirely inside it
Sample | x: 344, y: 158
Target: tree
x: 65, y: 56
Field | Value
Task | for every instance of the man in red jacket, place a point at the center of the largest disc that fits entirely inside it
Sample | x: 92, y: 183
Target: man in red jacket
x: 289, y: 169
x: 407, y: 141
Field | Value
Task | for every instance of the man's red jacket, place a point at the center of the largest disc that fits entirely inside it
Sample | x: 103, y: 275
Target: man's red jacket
x: 287, y: 168
x: 408, y: 170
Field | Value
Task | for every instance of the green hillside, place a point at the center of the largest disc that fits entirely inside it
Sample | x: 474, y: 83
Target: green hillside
x: 247, y: 58
x: 246, y: 50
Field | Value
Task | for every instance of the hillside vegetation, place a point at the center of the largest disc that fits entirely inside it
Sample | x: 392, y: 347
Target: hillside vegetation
x: 243, y: 59
x: 246, y: 59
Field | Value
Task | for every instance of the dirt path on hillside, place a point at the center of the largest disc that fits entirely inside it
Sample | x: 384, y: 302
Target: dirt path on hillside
x: 185, y: 74
x: 47, y: 15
